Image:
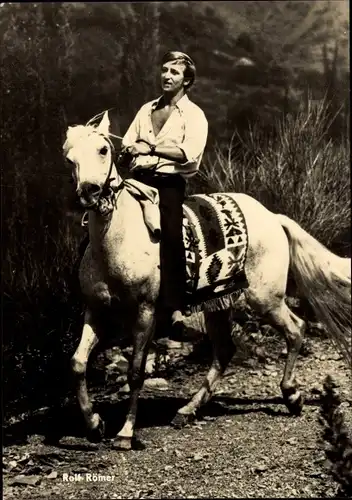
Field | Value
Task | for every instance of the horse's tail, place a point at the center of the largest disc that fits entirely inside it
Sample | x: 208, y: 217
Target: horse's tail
x: 324, y: 280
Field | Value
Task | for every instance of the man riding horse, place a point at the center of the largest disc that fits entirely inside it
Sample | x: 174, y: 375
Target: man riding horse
x: 166, y: 141
x: 119, y: 277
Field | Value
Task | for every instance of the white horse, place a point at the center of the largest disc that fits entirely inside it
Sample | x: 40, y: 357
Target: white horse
x: 119, y: 277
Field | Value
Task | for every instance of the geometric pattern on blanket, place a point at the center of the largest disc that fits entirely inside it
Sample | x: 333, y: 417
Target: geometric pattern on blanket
x: 216, y: 242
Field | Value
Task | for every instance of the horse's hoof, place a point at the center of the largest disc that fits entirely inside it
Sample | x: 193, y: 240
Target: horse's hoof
x: 96, y: 435
x: 181, y: 419
x: 294, y: 403
x: 122, y: 443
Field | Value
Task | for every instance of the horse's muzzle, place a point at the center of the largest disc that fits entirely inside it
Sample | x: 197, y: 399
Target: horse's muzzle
x: 89, y: 194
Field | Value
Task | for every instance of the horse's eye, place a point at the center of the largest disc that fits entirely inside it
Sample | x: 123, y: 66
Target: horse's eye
x: 103, y: 151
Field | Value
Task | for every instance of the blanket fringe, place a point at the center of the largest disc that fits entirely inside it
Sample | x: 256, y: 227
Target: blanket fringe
x: 217, y: 304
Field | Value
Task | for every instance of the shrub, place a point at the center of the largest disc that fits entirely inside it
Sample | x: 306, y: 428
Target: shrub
x: 336, y: 439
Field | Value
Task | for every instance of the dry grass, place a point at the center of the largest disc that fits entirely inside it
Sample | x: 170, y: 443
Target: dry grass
x: 295, y: 170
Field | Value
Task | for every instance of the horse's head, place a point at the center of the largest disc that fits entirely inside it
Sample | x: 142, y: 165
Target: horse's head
x: 90, y: 154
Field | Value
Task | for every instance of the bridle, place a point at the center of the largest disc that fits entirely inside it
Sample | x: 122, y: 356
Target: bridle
x: 108, y: 195
x: 109, y: 179
x: 107, y: 198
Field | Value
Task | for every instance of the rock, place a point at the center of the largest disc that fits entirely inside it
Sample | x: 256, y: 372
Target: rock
x: 12, y: 465
x: 122, y: 364
x: 261, y: 353
x: 118, y: 367
x: 175, y: 347
x: 317, y: 389
x: 249, y: 362
x: 315, y: 474
x: 125, y: 389
x: 25, y: 480
x: 24, y: 458
x: 118, y: 362
x: 269, y: 367
x: 150, y: 364
x: 260, y: 468
x: 35, y: 439
x: 170, y: 344
x: 111, y: 370
x: 121, y: 380
x: 335, y: 356
x: 253, y: 372
x: 156, y: 383
x: 112, y: 353
x: 82, y: 469
x: 52, y: 475
x: 221, y: 390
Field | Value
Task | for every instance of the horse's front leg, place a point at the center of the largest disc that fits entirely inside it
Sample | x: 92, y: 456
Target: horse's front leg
x: 141, y: 341
x: 89, y: 340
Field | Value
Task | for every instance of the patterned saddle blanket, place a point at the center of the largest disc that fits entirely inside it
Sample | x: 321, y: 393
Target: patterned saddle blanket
x: 216, y: 242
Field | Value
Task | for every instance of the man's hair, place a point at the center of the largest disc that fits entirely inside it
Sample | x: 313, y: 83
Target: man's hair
x: 181, y: 57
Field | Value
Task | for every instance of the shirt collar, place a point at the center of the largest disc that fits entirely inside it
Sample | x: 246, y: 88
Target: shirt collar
x: 181, y: 103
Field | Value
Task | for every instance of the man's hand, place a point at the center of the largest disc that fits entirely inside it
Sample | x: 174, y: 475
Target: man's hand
x: 139, y: 148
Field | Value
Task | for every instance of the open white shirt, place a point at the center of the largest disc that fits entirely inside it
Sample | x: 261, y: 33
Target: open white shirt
x: 186, y: 128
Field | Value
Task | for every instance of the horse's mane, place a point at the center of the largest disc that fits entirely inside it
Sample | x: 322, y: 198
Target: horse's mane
x: 75, y: 133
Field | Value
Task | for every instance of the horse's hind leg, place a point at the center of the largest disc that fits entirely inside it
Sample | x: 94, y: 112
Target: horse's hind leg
x: 292, y: 327
x: 218, y: 327
x: 79, y: 362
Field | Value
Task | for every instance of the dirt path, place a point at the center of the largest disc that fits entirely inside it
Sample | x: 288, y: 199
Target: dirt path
x: 243, y: 445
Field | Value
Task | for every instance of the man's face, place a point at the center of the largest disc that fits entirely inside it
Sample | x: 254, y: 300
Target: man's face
x: 172, y: 76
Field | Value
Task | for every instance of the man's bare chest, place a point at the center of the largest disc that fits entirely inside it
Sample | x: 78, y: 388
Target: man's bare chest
x: 160, y: 117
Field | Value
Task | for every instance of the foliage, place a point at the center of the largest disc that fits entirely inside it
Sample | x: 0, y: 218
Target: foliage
x: 336, y: 438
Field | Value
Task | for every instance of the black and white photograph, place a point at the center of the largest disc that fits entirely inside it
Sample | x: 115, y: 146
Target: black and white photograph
x: 176, y: 249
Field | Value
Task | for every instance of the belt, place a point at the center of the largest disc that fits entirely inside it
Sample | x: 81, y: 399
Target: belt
x: 154, y: 175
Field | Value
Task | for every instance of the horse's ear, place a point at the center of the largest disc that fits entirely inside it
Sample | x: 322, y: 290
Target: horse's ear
x: 104, y: 125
